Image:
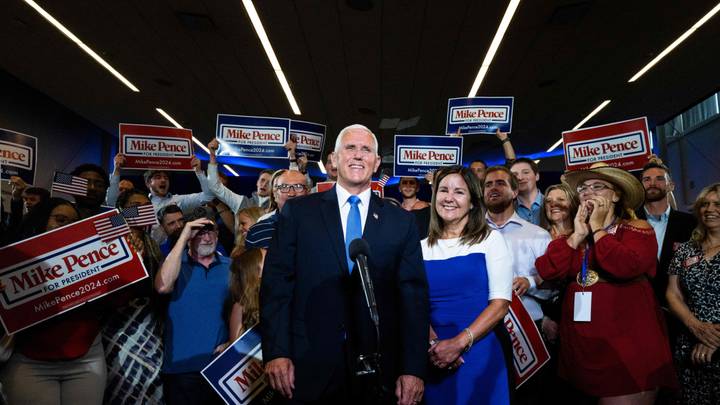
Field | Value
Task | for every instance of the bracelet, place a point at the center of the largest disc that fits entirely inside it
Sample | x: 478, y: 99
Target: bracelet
x: 596, y: 231
x: 472, y: 339
x: 293, y: 160
x: 506, y: 140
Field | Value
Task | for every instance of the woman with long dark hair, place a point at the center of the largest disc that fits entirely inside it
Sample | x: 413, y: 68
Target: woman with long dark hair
x: 61, y: 359
x: 469, y: 271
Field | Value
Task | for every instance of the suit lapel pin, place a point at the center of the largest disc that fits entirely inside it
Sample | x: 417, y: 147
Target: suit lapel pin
x: 375, y: 215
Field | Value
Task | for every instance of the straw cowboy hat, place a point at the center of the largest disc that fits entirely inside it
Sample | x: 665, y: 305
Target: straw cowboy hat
x: 632, y: 190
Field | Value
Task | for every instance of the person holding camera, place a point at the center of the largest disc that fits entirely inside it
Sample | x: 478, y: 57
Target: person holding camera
x: 196, y: 279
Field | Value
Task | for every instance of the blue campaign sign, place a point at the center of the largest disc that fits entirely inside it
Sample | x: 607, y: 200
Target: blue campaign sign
x: 237, y: 374
x: 247, y: 136
x: 310, y: 138
x: 415, y: 155
x: 479, y: 115
x: 18, y: 155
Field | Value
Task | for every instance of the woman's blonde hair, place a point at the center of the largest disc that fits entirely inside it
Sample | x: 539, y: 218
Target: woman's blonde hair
x: 572, y: 197
x: 253, y: 213
x: 245, y: 285
x: 699, y: 234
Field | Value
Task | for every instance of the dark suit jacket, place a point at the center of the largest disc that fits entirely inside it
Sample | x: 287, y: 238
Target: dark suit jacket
x: 679, y: 228
x: 309, y: 303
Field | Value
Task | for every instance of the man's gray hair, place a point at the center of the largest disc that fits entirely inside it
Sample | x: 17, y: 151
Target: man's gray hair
x: 349, y: 128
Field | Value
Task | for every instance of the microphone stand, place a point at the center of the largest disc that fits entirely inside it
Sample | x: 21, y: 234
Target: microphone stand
x: 369, y: 365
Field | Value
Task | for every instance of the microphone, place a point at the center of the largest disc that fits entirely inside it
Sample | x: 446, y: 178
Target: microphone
x: 359, y: 250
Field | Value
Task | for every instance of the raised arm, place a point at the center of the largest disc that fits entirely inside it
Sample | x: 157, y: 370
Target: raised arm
x: 113, y: 190
x: 508, y: 150
x: 234, y: 201
x: 170, y: 269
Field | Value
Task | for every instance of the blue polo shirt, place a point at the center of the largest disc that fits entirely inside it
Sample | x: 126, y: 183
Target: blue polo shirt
x: 195, y: 324
x: 531, y: 215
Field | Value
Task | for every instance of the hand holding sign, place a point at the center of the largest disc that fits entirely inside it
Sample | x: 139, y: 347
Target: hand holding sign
x: 18, y: 186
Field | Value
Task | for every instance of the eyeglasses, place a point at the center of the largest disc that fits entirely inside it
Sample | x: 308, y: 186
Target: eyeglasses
x: 595, y: 188
x: 285, y: 188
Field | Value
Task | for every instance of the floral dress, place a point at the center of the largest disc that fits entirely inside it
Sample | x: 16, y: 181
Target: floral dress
x: 699, y: 280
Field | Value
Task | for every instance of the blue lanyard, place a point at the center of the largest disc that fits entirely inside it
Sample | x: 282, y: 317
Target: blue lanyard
x: 583, y: 270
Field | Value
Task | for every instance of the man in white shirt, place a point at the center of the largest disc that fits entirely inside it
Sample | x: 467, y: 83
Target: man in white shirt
x: 526, y: 240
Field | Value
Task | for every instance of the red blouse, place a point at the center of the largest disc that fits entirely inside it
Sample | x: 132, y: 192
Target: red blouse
x: 624, y: 348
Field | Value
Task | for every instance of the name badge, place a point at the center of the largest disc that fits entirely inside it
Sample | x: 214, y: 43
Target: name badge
x: 691, y: 260
x: 583, y: 306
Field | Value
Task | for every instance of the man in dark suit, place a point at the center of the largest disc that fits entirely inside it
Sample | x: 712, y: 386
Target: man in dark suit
x: 672, y: 227
x: 309, y: 300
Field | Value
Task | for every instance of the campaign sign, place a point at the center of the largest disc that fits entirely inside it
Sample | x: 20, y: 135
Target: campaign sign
x: 528, y: 349
x: 155, y: 147
x: 237, y: 374
x: 415, y: 155
x: 245, y: 136
x: 624, y: 144
x: 310, y: 138
x: 59, y: 270
x: 479, y: 115
x: 375, y: 186
x: 18, y: 155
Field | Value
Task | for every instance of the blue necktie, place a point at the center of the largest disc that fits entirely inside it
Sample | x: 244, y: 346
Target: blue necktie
x: 354, y: 227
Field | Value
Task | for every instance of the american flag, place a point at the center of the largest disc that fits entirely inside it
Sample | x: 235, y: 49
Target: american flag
x: 383, y: 180
x: 69, y: 184
x: 140, y: 215
x: 112, y: 227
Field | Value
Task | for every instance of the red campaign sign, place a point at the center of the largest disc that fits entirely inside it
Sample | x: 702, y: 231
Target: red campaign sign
x: 59, y: 270
x: 375, y: 186
x: 155, y: 147
x: 528, y: 348
x: 624, y: 144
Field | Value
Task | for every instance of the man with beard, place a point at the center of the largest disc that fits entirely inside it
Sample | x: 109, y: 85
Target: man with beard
x: 98, y: 182
x: 196, y: 279
x: 528, y: 242
x: 172, y: 221
x: 672, y: 227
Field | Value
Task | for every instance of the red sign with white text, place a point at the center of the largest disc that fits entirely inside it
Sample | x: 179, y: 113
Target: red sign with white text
x: 59, y: 270
x: 528, y: 348
x: 155, y: 147
x: 625, y: 145
x: 374, y: 186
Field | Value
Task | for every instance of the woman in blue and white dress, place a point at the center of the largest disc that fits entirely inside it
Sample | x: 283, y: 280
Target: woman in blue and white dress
x: 469, y: 272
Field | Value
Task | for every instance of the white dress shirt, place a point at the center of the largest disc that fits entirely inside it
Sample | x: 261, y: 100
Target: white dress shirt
x: 527, y: 242
x: 363, y: 205
x: 659, y: 224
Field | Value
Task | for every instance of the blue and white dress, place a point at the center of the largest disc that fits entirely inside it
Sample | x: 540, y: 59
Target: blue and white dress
x: 463, y: 279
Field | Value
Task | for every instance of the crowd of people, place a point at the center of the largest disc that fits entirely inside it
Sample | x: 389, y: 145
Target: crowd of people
x: 624, y: 287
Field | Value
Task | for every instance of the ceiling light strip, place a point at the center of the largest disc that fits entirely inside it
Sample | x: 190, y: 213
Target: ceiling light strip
x: 494, y: 45
x: 265, y: 41
x: 177, y: 125
x: 675, y: 43
x: 581, y: 123
x: 197, y: 141
x: 81, y: 44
